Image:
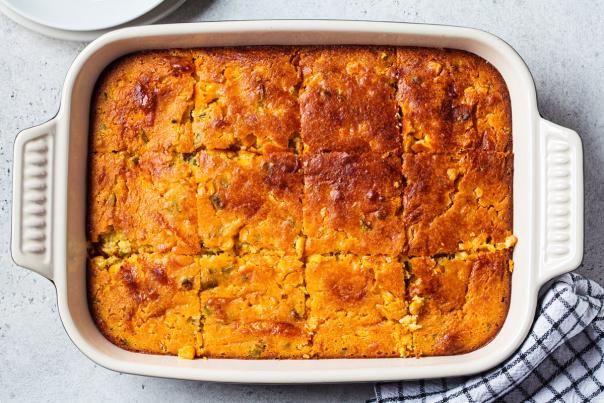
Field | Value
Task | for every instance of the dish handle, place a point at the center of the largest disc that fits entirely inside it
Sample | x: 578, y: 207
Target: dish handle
x: 32, y: 198
x: 561, y: 207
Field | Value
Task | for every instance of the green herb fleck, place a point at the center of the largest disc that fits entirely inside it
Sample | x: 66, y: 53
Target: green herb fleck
x: 365, y: 225
x: 192, y: 160
x: 258, y: 349
x: 143, y: 135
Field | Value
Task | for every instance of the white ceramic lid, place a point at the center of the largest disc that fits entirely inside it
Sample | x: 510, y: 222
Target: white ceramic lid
x: 81, y: 15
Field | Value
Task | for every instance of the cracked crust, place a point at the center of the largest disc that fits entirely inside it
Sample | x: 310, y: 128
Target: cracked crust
x: 147, y: 303
x: 143, y: 102
x: 355, y: 305
x: 348, y: 100
x: 352, y: 204
x: 142, y: 203
x: 463, y: 301
x: 246, y: 98
x: 249, y: 202
x: 253, y: 306
x: 452, y: 101
x: 456, y: 203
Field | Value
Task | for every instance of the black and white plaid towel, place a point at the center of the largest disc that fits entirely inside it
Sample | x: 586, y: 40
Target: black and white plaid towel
x: 560, y: 361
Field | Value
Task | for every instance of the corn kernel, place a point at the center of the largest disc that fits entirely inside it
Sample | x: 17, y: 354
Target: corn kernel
x: 186, y: 352
x: 416, y: 305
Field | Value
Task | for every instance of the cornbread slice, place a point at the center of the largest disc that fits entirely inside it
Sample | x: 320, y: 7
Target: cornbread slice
x: 147, y: 302
x: 144, y: 101
x: 352, y: 203
x: 457, y: 202
x: 246, y: 98
x: 452, y: 101
x: 253, y: 306
x: 355, y: 305
x: 461, y: 302
x: 348, y: 100
x: 254, y: 199
x: 142, y: 204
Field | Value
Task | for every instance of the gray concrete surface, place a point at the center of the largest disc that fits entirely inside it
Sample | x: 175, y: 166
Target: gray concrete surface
x: 562, y: 42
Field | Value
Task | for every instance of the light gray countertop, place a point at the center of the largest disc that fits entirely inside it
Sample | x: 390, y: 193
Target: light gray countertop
x: 562, y: 43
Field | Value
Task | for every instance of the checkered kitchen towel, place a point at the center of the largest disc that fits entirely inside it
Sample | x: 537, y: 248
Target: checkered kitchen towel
x: 560, y: 361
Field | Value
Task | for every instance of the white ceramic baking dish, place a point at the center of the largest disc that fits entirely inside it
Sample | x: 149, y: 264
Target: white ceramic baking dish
x: 49, y: 198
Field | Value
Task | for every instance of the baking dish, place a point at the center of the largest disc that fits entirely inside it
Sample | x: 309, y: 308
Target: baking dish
x: 49, y: 198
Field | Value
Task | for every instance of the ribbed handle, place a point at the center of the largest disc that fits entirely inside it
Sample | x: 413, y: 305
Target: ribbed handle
x: 32, y: 198
x: 561, y: 200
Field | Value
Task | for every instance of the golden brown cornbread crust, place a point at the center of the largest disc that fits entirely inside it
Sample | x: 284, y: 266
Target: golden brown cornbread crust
x: 300, y: 202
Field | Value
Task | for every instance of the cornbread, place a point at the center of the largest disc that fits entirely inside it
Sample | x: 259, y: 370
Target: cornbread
x: 246, y: 98
x: 300, y: 202
x: 352, y: 203
x: 347, y: 100
x: 255, y: 199
x: 457, y: 202
x: 462, y: 300
x: 355, y: 305
x: 147, y: 302
x: 253, y: 306
x: 451, y: 101
x: 143, y: 203
x: 144, y: 102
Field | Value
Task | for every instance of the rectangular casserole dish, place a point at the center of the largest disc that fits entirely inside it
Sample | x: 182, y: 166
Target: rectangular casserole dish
x: 49, y: 198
